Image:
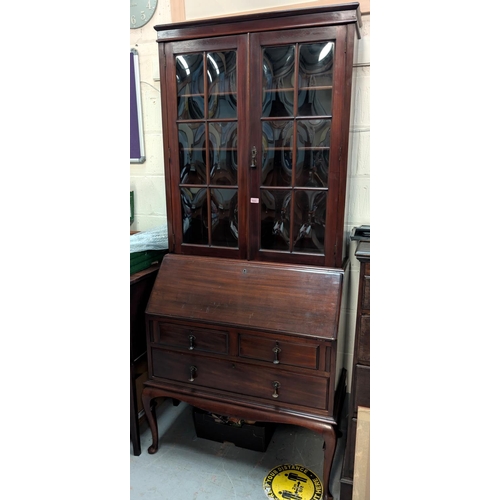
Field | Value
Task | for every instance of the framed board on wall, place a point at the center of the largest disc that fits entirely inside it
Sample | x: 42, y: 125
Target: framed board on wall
x: 137, y: 154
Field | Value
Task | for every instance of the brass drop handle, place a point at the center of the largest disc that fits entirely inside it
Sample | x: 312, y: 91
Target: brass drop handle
x: 253, y: 164
x: 192, y: 371
x: 276, y: 386
x: 192, y: 338
x: 276, y: 351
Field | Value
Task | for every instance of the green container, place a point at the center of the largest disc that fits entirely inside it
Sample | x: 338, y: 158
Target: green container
x: 142, y: 260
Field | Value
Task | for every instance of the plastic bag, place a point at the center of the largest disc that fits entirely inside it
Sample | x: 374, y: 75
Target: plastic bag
x: 152, y: 239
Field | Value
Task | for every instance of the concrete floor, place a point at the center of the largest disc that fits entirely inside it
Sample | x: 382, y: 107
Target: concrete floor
x: 186, y: 467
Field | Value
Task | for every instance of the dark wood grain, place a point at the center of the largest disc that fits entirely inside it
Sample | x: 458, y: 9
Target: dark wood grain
x: 189, y: 337
x: 293, y: 18
x: 247, y: 330
x: 248, y: 35
x: 301, y: 354
x: 236, y: 313
x: 242, y: 379
x: 266, y: 296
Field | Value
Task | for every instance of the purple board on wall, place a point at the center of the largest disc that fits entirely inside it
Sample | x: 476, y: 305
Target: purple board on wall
x: 136, y: 132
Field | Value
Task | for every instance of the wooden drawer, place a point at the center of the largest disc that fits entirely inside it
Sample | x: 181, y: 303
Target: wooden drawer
x: 193, y: 338
x: 241, y: 379
x: 279, y: 352
x: 365, y: 294
x: 363, y: 339
x: 361, y: 391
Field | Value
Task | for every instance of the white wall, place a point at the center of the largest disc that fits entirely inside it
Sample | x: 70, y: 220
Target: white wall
x: 358, y: 181
x: 147, y: 179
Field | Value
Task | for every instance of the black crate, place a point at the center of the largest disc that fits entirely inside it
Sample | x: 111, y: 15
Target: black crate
x: 255, y: 436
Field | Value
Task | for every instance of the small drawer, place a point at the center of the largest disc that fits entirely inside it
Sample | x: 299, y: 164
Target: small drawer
x: 363, y: 339
x: 193, y: 338
x: 279, y: 352
x: 241, y: 379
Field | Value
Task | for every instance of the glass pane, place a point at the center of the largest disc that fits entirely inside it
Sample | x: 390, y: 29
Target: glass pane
x: 313, y: 152
x: 309, y: 221
x: 221, y: 73
x: 314, y: 102
x: 278, y: 80
x: 224, y: 210
x: 189, y: 107
x: 194, y: 215
x: 275, y: 219
x: 316, y: 79
x: 192, y: 161
x: 190, y: 86
x: 277, y: 150
x: 316, y: 64
x: 223, y: 153
x: 222, y: 106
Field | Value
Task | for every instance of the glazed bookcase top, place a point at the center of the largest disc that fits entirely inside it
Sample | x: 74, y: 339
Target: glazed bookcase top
x: 262, y: 21
x: 256, y: 112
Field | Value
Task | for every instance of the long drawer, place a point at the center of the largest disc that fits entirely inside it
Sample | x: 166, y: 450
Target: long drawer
x: 272, y: 384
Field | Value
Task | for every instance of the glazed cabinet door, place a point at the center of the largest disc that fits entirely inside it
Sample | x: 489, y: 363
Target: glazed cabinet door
x: 255, y: 126
x: 206, y: 133
x: 297, y: 87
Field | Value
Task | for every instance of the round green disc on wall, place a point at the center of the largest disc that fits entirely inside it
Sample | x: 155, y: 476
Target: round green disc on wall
x: 141, y: 12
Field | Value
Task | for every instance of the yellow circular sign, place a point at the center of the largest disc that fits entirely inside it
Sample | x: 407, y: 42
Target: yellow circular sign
x: 292, y: 482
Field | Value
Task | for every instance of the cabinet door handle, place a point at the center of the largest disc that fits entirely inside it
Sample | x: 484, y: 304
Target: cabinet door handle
x: 192, y: 338
x: 276, y: 351
x: 253, y: 164
x: 192, y: 372
x: 276, y: 386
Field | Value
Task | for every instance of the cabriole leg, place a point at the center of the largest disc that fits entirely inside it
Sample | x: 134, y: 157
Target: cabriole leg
x: 330, y: 437
x: 147, y: 396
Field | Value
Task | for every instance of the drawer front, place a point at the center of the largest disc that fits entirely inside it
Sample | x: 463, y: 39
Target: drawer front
x: 363, y: 338
x: 193, y: 338
x: 272, y: 385
x: 362, y: 387
x: 365, y: 297
x: 279, y: 352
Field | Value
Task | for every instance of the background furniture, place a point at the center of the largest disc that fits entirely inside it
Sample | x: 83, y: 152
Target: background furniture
x: 141, y: 284
x: 360, y: 389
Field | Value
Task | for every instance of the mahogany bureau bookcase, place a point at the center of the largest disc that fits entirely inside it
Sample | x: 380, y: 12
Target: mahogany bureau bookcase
x: 243, y: 319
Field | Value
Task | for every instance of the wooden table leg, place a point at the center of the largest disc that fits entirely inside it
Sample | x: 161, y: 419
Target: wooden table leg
x: 147, y: 395
x: 134, y: 418
x: 330, y: 437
